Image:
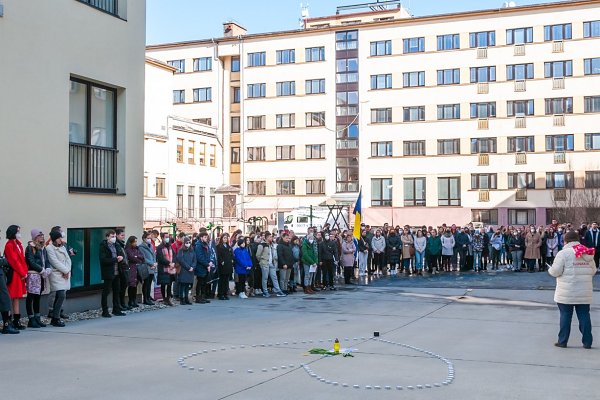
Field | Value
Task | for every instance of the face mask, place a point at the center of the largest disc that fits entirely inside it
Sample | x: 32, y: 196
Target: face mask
x: 18, y: 236
x: 167, y: 240
x: 113, y: 240
x: 187, y: 245
x: 532, y: 230
x: 149, y: 241
x: 311, y: 241
x: 327, y: 237
x: 62, y: 235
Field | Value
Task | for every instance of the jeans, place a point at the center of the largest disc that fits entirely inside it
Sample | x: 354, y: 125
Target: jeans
x: 284, y: 278
x: 362, y: 262
x: 477, y: 260
x: 308, y: 276
x: 58, y: 302
x: 184, y: 290
x: 297, y: 276
x: 585, y: 323
x: 419, y: 260
x: 517, y: 259
x: 113, y: 285
x: 269, y: 272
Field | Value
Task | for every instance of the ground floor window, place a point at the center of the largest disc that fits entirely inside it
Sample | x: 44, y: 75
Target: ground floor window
x: 521, y: 216
x: 85, y: 270
x: 487, y: 217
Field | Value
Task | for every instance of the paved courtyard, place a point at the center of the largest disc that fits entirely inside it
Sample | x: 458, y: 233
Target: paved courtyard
x: 497, y: 341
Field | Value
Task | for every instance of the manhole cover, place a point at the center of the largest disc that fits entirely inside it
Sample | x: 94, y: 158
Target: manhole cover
x: 314, y: 298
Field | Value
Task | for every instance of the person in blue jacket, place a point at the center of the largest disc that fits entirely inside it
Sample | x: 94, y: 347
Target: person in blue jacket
x: 205, y: 262
x: 243, y: 265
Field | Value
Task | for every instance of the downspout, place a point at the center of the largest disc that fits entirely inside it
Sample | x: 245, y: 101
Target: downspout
x: 220, y: 100
x: 242, y: 127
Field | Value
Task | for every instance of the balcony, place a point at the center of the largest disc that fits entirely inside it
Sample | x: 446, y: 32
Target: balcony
x: 483, y: 123
x: 483, y: 159
x: 92, y: 169
x: 558, y: 83
x: 558, y: 46
x: 559, y: 195
x: 484, y: 195
x: 519, y: 50
x: 560, y: 157
x: 558, y: 120
x: 482, y: 52
x: 520, y: 86
x: 520, y: 122
x: 483, y: 88
x: 521, y: 195
x: 108, y: 6
x: 520, y: 158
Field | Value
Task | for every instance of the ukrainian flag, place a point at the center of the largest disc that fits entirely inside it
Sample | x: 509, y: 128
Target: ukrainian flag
x: 357, y: 216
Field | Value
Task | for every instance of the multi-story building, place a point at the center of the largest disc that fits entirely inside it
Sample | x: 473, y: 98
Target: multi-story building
x: 72, y: 114
x: 487, y: 116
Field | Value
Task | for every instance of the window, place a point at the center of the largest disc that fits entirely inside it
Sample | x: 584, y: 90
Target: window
x: 559, y: 180
x: 557, y: 32
x: 160, y: 187
x: 235, y: 155
x: 413, y: 79
x: 411, y: 114
x: 381, y: 149
x: 558, y: 69
x: 487, y: 217
x: 287, y: 88
x: 483, y: 74
x: 285, y: 121
x: 315, y: 151
x: 178, y: 96
x: 519, y: 108
x: 202, y: 95
x: 592, y: 104
x: 518, y: 144
x: 482, y: 39
x: 179, y: 201
x: 212, y: 155
x: 346, y: 40
x: 414, y: 192
x: 257, y: 188
x: 213, y: 203
x: 521, y: 180
x: 235, y: 124
x: 313, y: 54
x: 414, y: 148
x: 235, y: 64
x: 559, y: 105
x: 519, y: 72
x: 285, y: 152
x: 257, y: 90
x: 237, y: 94
x: 110, y: 6
x: 559, y: 142
x: 414, y: 45
x: 201, y: 153
x: 315, y: 186
x: 483, y: 181
x: 229, y: 206
x: 191, y: 152
x: 519, y: 36
x: 483, y: 145
x: 314, y: 86
x: 383, y: 81
x: 346, y: 70
x: 592, y: 141
x: 347, y: 103
x: 381, y: 48
x: 203, y: 64
x: 381, y: 115
x: 201, y: 202
x: 179, y: 64
x: 256, y: 153
x: 592, y: 66
x: 191, y: 201
x: 205, y: 121
x: 256, y: 122
x: 483, y: 110
x: 381, y: 192
x: 592, y: 179
x: 179, y: 150
x: 285, y: 56
x: 591, y: 29
x: 257, y: 59
x: 346, y: 174
x: 315, y: 118
x: 521, y: 216
x: 449, y: 191
x: 145, y: 186
x: 287, y: 187
x: 448, y: 42
x: 448, y: 147
x: 448, y: 111
x: 448, y: 76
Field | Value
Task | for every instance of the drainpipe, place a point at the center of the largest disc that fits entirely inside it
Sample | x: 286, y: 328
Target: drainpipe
x: 242, y: 127
x: 220, y: 100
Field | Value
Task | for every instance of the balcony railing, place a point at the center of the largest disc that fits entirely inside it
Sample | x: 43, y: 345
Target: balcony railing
x: 560, y: 157
x: 558, y: 83
x: 521, y: 195
x: 520, y: 86
x: 92, y: 169
x: 109, y: 6
x: 483, y: 123
x: 484, y: 195
x: 558, y: 46
x: 483, y: 159
x: 520, y: 122
x: 520, y: 158
x: 519, y: 50
x: 560, y: 194
x: 482, y: 52
x: 483, y: 88
x: 558, y: 120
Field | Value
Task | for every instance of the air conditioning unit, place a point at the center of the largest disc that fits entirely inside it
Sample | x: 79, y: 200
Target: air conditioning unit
x: 519, y: 50
x: 558, y: 120
x: 558, y: 83
x: 484, y: 195
x: 520, y: 122
x: 521, y: 195
x: 484, y: 159
x: 560, y: 194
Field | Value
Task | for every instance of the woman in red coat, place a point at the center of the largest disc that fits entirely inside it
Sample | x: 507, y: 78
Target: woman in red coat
x: 15, y: 255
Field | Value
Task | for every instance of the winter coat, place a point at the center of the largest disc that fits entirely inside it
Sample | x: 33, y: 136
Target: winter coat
x: 589, y: 239
x: 149, y: 257
x: 107, y: 261
x: 39, y: 269
x: 515, y: 243
x: 203, y: 258
x: 573, y: 276
x: 296, y: 253
x: 434, y: 245
x: 135, y: 257
x: 266, y: 252
x: 328, y: 251
x: 163, y: 277
x: 243, y: 261
x: 477, y: 244
x: 5, y: 302
x: 124, y: 264
x: 15, y: 255
x: 393, y: 246
x: 496, y: 242
x: 363, y: 244
x: 285, y: 256
x: 448, y: 243
x: 186, y: 258
x: 462, y: 240
x: 420, y: 244
x: 378, y: 244
x: 551, y: 246
x: 348, y: 250
x: 309, y: 256
x: 407, y: 243
x: 225, y: 259
x: 533, y: 243
x: 61, y: 265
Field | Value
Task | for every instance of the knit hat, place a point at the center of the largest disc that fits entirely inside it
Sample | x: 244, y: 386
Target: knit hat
x: 186, y: 239
x: 55, y: 235
x: 35, y: 233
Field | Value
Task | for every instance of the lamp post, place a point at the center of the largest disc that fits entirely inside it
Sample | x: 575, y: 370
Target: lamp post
x: 390, y: 187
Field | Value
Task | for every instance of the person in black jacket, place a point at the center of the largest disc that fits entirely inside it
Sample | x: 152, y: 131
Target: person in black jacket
x: 285, y: 259
x: 328, y: 256
x: 225, y: 262
x: 165, y: 259
x: 123, y: 268
x: 109, y: 269
x: 38, y: 269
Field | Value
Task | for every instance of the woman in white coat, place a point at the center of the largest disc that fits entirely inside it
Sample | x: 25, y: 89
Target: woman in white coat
x: 448, y: 243
x: 60, y: 278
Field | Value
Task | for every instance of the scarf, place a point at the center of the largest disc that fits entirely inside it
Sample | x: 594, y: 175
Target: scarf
x: 167, y: 254
x: 580, y: 250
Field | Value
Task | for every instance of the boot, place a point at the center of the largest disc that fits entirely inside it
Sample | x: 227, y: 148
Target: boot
x: 32, y: 322
x: 9, y: 329
x: 168, y: 302
x: 57, y: 322
x: 106, y: 314
x: 39, y: 321
x: 17, y: 322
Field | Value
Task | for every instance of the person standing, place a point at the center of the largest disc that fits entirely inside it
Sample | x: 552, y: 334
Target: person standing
x: 408, y: 250
x: 266, y: 254
x: 363, y: 253
x: 226, y: 263
x: 592, y: 239
x: 378, y: 246
x: 148, y: 270
x: 433, y: 250
x: 5, y: 301
x: 124, y: 271
x: 166, y: 268
x: 204, y: 263
x: 60, y: 278
x: 574, y: 270
x: 285, y: 261
x: 309, y: 260
x: 328, y: 257
x: 39, y: 267
x: 135, y: 258
x: 186, y: 258
x: 15, y: 255
x: 109, y: 269
x: 533, y: 242
x: 477, y: 246
x: 462, y: 248
x: 448, y: 244
x: 497, y: 244
x: 516, y: 243
x: 243, y: 266
x: 394, y: 248
x: 551, y: 247
x: 347, y: 259
x: 420, y: 247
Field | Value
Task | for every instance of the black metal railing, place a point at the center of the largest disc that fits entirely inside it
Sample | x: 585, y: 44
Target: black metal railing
x: 109, y: 6
x: 92, y: 169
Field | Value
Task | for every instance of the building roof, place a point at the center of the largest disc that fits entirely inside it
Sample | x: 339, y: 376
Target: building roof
x: 160, y: 64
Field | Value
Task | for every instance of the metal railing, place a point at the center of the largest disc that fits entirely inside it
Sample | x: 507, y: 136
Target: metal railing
x: 483, y: 88
x: 109, y: 6
x: 482, y: 52
x: 520, y: 86
x: 560, y: 157
x: 520, y: 158
x: 483, y: 123
x: 519, y: 50
x: 521, y: 195
x: 558, y: 46
x: 520, y: 122
x: 484, y: 195
x: 484, y: 159
x: 92, y: 168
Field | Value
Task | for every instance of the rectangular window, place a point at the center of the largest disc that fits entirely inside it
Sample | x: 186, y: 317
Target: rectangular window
x: 381, y: 115
x: 229, y: 206
x: 482, y: 39
x: 85, y: 264
x: 448, y: 147
x: 559, y: 180
x: 180, y: 150
x: 558, y: 69
x: 315, y: 151
x: 448, y: 76
x: 414, y: 192
x: 315, y: 186
x: 237, y: 94
x: 201, y: 203
x: 160, y: 187
x: 411, y: 114
x: 191, y: 201
x: 381, y: 149
x: 591, y: 29
x: 559, y: 105
x: 235, y: 155
x: 383, y: 81
x: 201, y: 153
x: 235, y: 124
x: 256, y: 153
x: 592, y: 141
x: 203, y: 64
x: 592, y: 104
x: 178, y: 96
x: 519, y: 35
x: 483, y: 145
x: 257, y: 59
x: 179, y: 203
x: 487, y: 217
x: 557, y: 32
x: 205, y: 121
x: 381, y: 48
x: 287, y: 88
x: 315, y: 86
x: 592, y: 66
x: 285, y: 56
x: 257, y: 188
x: 560, y: 142
x: 414, y: 148
x: 179, y: 64
x: 212, y: 155
x: 213, y: 204
x: 484, y: 181
x: 191, y: 152
x: 287, y: 187
x: 145, y: 186
x: 483, y: 110
x: 346, y: 70
x: 347, y: 103
x: 519, y: 144
x: 315, y: 119
x: 287, y: 152
x: 449, y: 191
x: 519, y: 72
x: 448, y: 42
x: 414, y: 45
x: 521, y: 217
x: 346, y: 40
x: 314, y: 54
x: 381, y: 192
x: 413, y: 79
x: 521, y: 180
x: 257, y: 90
x: 235, y: 64
x: 256, y: 122
x: 483, y: 74
x: 285, y: 121
x: 448, y: 111
x: 202, y: 95
x: 592, y: 179
x: 519, y: 108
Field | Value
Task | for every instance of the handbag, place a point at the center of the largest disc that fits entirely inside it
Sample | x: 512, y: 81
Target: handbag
x: 8, y: 271
x: 143, y: 271
x: 411, y: 250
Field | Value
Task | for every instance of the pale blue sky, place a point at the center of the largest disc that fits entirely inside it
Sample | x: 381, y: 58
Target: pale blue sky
x: 179, y: 20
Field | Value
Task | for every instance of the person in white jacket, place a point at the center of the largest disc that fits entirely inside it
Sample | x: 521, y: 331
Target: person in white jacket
x: 60, y: 278
x: 574, y: 269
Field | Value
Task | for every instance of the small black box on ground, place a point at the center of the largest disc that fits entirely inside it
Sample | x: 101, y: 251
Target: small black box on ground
x: 375, y: 334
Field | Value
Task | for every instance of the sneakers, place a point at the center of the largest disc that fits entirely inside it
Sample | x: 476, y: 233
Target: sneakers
x: 243, y: 296
x: 562, y: 346
x: 266, y: 295
x: 281, y: 294
x: 57, y: 322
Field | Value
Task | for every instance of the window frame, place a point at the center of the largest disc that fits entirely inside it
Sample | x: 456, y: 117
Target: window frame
x: 285, y: 88
x: 588, y: 66
x: 415, y: 201
x: 521, y: 144
x: 477, y: 145
x: 513, y: 216
x: 512, y: 70
x: 256, y: 90
x: 409, y: 47
x: 490, y: 112
x: 591, y: 29
x: 476, y: 39
x: 566, y: 32
x: 592, y: 179
x: 285, y: 121
x: 512, y: 33
x: 515, y: 178
x: 449, y: 201
x: 310, y: 83
x: 381, y: 81
x: 414, y: 148
x: 311, y: 183
x: 310, y: 151
x: 257, y: 59
x: 290, y: 190
x: 489, y: 74
x: 256, y: 188
x: 591, y: 104
x: 179, y: 65
x: 252, y: 126
x: 443, y: 143
x: 477, y: 182
x: 444, y: 109
x: 311, y: 116
x: 381, y: 115
x: 552, y: 141
x: 565, y: 103
x: 454, y: 42
x: 281, y: 60
x: 408, y: 79
x: 207, y: 94
x: 589, y: 141
x: 257, y: 153
x: 513, y: 105
x: 385, y: 189
x: 477, y: 215
x: 383, y: 149
x: 441, y: 73
x: 309, y: 52
x: 179, y: 96
x: 568, y: 179
x: 285, y: 152
x: 235, y: 155
x: 551, y: 67
x: 198, y: 63
x: 375, y: 45
x: 408, y: 112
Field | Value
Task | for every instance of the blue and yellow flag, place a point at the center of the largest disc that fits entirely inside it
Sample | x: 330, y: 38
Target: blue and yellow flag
x: 357, y: 216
